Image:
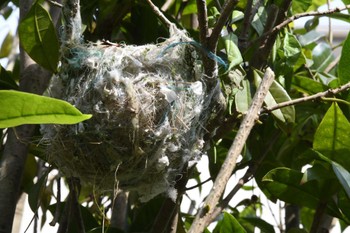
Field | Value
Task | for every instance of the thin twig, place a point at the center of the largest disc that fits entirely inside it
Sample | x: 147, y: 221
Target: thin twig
x: 297, y: 16
x: 332, y: 64
x: 199, y: 184
x: 161, y: 16
x: 248, y: 16
x: 204, y: 213
x: 329, y: 92
x: 224, y: 16
x: 166, y: 5
x: 54, y: 3
x: 202, y: 21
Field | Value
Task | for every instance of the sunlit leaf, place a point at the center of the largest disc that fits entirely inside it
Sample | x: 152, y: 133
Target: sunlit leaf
x: 243, y: 97
x: 6, y: 46
x: 259, y: 20
x: 332, y: 137
x: 233, y: 54
x: 19, y: 108
x: 38, y: 37
x: 299, y: 6
x: 343, y: 68
x: 228, y: 224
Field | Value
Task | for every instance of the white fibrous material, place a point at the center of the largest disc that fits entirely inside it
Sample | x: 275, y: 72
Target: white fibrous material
x: 149, y: 106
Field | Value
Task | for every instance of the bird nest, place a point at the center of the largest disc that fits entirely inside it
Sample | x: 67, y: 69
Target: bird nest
x: 149, y: 105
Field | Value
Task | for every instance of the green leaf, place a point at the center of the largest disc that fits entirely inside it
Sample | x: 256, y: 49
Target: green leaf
x: 277, y: 94
x: 310, y: 37
x: 343, y: 176
x: 18, y: 108
x: 332, y: 138
x: 322, y: 56
x: 306, y: 85
x: 264, y: 226
x: 38, y: 37
x: 228, y: 224
x: 243, y: 97
x: 35, y: 192
x: 259, y: 20
x: 233, y: 54
x: 343, y: 68
x: 6, y: 46
x: 300, y: 6
x: 6, y: 80
x: 292, y: 51
x: 285, y: 184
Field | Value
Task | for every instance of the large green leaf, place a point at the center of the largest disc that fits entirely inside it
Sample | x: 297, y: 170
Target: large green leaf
x: 310, y: 37
x: 288, y: 185
x: 343, y: 68
x: 38, y: 37
x: 35, y: 192
x: 228, y: 224
x: 343, y: 176
x: 6, y: 46
x: 6, y: 80
x: 285, y: 184
x: 332, y: 138
x: 322, y: 56
x: 299, y: 6
x: 277, y: 94
x: 291, y: 48
x: 264, y: 226
x: 233, y: 54
x: 243, y: 97
x: 306, y: 85
x: 18, y: 108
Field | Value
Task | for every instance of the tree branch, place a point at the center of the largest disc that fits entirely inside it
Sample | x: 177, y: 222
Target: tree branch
x: 329, y: 92
x: 33, y: 79
x: 224, y: 16
x: 229, y: 164
x: 246, y: 177
x: 160, y: 15
x: 202, y: 21
x: 297, y: 16
x: 276, y: 15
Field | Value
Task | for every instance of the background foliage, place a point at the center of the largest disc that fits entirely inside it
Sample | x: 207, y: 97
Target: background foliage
x: 298, y: 154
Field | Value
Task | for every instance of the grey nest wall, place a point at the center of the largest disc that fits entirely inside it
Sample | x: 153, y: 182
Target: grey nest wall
x: 150, y: 107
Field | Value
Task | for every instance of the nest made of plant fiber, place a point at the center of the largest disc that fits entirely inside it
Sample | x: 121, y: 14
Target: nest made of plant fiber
x: 149, y: 107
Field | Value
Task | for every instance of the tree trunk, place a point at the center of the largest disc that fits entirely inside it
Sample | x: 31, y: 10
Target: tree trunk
x: 33, y: 79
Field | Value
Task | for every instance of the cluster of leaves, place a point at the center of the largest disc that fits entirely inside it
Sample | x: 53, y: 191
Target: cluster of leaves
x: 297, y: 154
